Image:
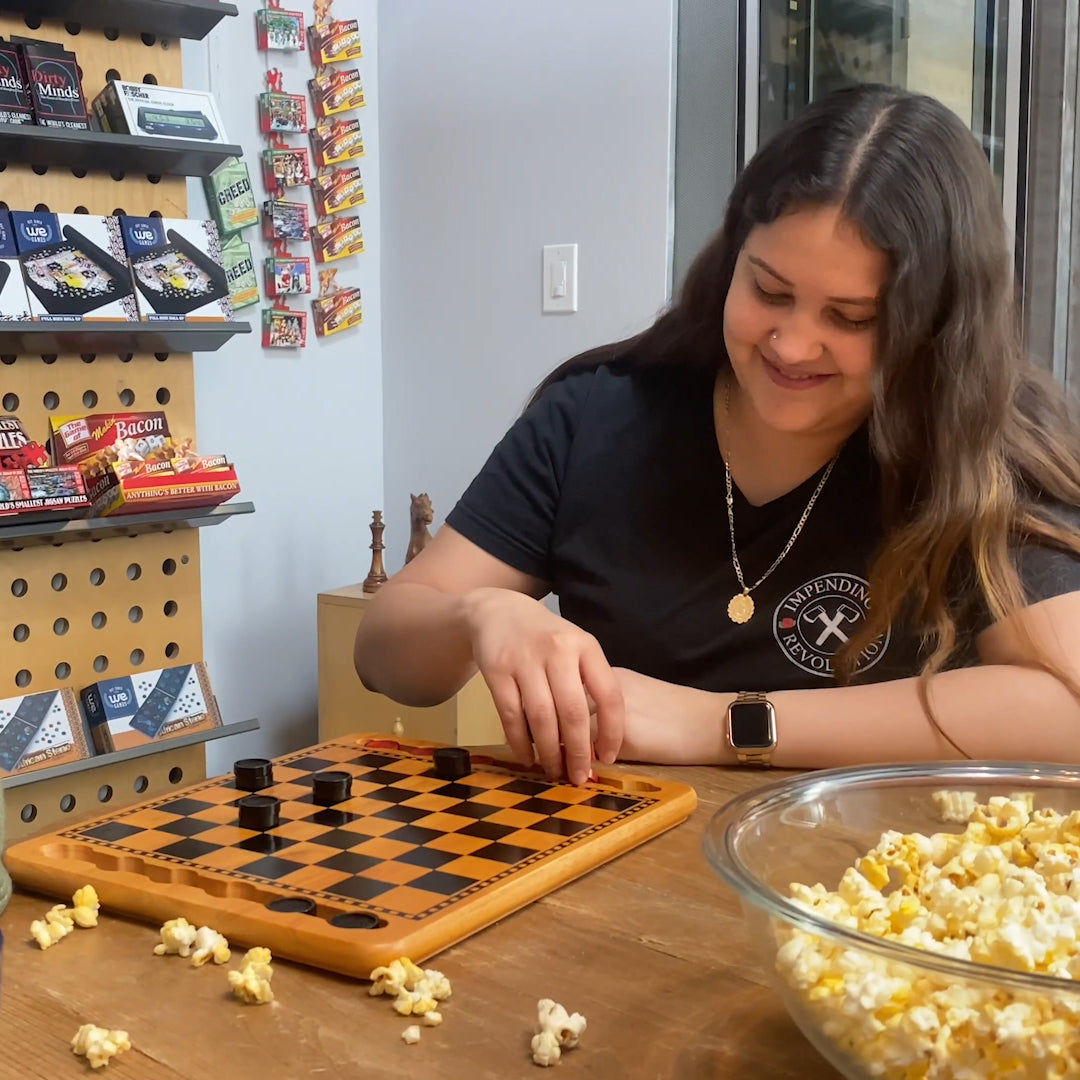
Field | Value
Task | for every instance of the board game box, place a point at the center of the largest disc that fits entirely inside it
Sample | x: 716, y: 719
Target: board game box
x: 230, y: 198
x: 17, y: 449
x: 98, y: 439
x: 335, y: 41
x: 40, y: 730
x: 338, y: 190
x: 338, y: 141
x: 135, y: 108
x: 178, y: 269
x: 43, y: 493
x: 337, y: 239
x: 240, y: 272
x: 15, y: 105
x: 338, y: 311
x: 278, y: 30
x: 14, y: 304
x: 149, y: 706
x: 335, y: 93
x: 283, y: 328
x: 284, y: 220
x: 184, y: 481
x: 349, y: 853
x: 74, y: 267
x: 53, y: 82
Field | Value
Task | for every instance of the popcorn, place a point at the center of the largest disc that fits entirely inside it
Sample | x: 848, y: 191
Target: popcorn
x: 99, y: 1045
x: 1004, y: 892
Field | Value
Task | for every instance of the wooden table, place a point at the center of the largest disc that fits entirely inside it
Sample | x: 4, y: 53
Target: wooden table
x: 651, y: 948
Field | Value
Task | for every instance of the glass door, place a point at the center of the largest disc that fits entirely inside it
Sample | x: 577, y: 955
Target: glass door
x: 958, y: 51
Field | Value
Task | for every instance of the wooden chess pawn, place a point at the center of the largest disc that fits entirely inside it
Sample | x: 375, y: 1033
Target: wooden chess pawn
x: 377, y: 573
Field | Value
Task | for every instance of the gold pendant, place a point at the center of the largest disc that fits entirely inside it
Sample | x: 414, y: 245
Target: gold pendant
x: 740, y: 608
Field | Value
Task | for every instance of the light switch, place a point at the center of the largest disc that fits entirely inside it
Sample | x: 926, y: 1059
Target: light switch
x: 559, y: 279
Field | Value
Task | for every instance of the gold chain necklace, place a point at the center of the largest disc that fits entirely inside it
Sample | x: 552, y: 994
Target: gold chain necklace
x: 740, y: 607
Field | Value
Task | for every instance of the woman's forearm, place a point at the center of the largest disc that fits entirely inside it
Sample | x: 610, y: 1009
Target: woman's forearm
x: 1000, y: 712
x: 413, y: 644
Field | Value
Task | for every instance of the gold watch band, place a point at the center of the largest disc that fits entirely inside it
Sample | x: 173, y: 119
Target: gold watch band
x: 762, y: 757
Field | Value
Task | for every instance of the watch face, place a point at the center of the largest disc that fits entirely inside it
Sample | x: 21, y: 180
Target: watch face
x: 752, y: 725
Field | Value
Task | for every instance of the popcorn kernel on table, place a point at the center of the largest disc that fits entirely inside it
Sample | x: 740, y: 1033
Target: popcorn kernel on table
x: 1005, y: 891
x: 99, y: 1045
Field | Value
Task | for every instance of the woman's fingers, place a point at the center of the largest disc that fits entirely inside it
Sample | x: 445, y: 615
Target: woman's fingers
x: 507, y: 698
x: 542, y: 719
x: 608, y: 706
x: 572, y: 710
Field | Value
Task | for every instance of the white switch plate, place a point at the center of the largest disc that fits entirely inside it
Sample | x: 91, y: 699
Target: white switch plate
x: 560, y: 279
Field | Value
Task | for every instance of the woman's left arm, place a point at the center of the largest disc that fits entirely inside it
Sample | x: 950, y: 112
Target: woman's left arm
x: 1000, y: 710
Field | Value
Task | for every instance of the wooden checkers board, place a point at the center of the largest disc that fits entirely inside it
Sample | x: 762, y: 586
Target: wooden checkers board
x: 407, y: 865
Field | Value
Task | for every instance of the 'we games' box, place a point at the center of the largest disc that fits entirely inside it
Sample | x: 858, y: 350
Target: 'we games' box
x: 74, y: 267
x: 178, y: 269
x: 14, y: 306
x: 39, y: 730
x: 133, y: 710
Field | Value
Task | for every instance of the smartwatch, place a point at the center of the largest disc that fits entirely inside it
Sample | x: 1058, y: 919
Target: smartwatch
x: 751, y: 728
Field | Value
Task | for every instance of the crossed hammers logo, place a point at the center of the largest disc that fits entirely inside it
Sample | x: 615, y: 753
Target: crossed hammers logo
x: 845, y: 613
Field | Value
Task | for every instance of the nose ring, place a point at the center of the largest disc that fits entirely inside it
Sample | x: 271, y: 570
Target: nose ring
x: 775, y: 334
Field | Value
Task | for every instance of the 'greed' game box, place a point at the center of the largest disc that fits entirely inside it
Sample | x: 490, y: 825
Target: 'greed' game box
x: 14, y: 306
x: 230, y: 198
x: 150, y: 706
x: 178, y: 269
x: 40, y: 730
x: 74, y: 267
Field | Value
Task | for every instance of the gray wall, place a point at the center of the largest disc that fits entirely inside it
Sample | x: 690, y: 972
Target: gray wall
x: 506, y: 126
x: 269, y: 409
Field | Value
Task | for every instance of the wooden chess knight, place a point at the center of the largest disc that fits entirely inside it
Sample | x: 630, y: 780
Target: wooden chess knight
x: 421, y: 516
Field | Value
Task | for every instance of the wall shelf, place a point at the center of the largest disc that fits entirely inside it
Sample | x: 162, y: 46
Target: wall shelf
x: 49, y: 338
x: 70, y: 148
x: 167, y: 18
x: 39, y: 531
x: 98, y: 761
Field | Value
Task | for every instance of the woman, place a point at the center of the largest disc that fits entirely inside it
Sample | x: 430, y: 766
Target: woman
x: 835, y: 409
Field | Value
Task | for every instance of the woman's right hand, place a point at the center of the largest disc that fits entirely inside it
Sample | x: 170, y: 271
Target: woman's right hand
x: 542, y: 672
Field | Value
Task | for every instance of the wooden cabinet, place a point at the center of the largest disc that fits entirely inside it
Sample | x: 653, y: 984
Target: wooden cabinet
x: 345, y: 705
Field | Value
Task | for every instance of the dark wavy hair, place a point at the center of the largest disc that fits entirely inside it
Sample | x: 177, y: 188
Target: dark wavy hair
x: 974, y: 443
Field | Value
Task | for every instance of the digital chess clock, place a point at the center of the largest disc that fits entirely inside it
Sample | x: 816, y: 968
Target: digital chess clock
x: 187, y: 125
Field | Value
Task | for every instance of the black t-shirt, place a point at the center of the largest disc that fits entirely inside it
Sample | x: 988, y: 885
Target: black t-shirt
x: 611, y: 489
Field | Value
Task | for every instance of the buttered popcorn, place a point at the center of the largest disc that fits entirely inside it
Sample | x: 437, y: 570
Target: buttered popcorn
x: 1004, y: 892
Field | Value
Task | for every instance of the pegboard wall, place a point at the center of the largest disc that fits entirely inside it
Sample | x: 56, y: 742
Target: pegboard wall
x: 71, y: 613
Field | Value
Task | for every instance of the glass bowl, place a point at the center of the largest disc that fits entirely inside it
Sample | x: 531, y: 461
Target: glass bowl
x: 874, y: 1007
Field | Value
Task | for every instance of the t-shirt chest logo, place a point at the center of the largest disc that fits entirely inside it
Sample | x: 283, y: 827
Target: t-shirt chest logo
x: 813, y: 622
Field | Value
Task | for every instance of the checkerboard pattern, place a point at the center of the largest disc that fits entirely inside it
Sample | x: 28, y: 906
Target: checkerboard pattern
x: 406, y: 844
x: 408, y: 865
